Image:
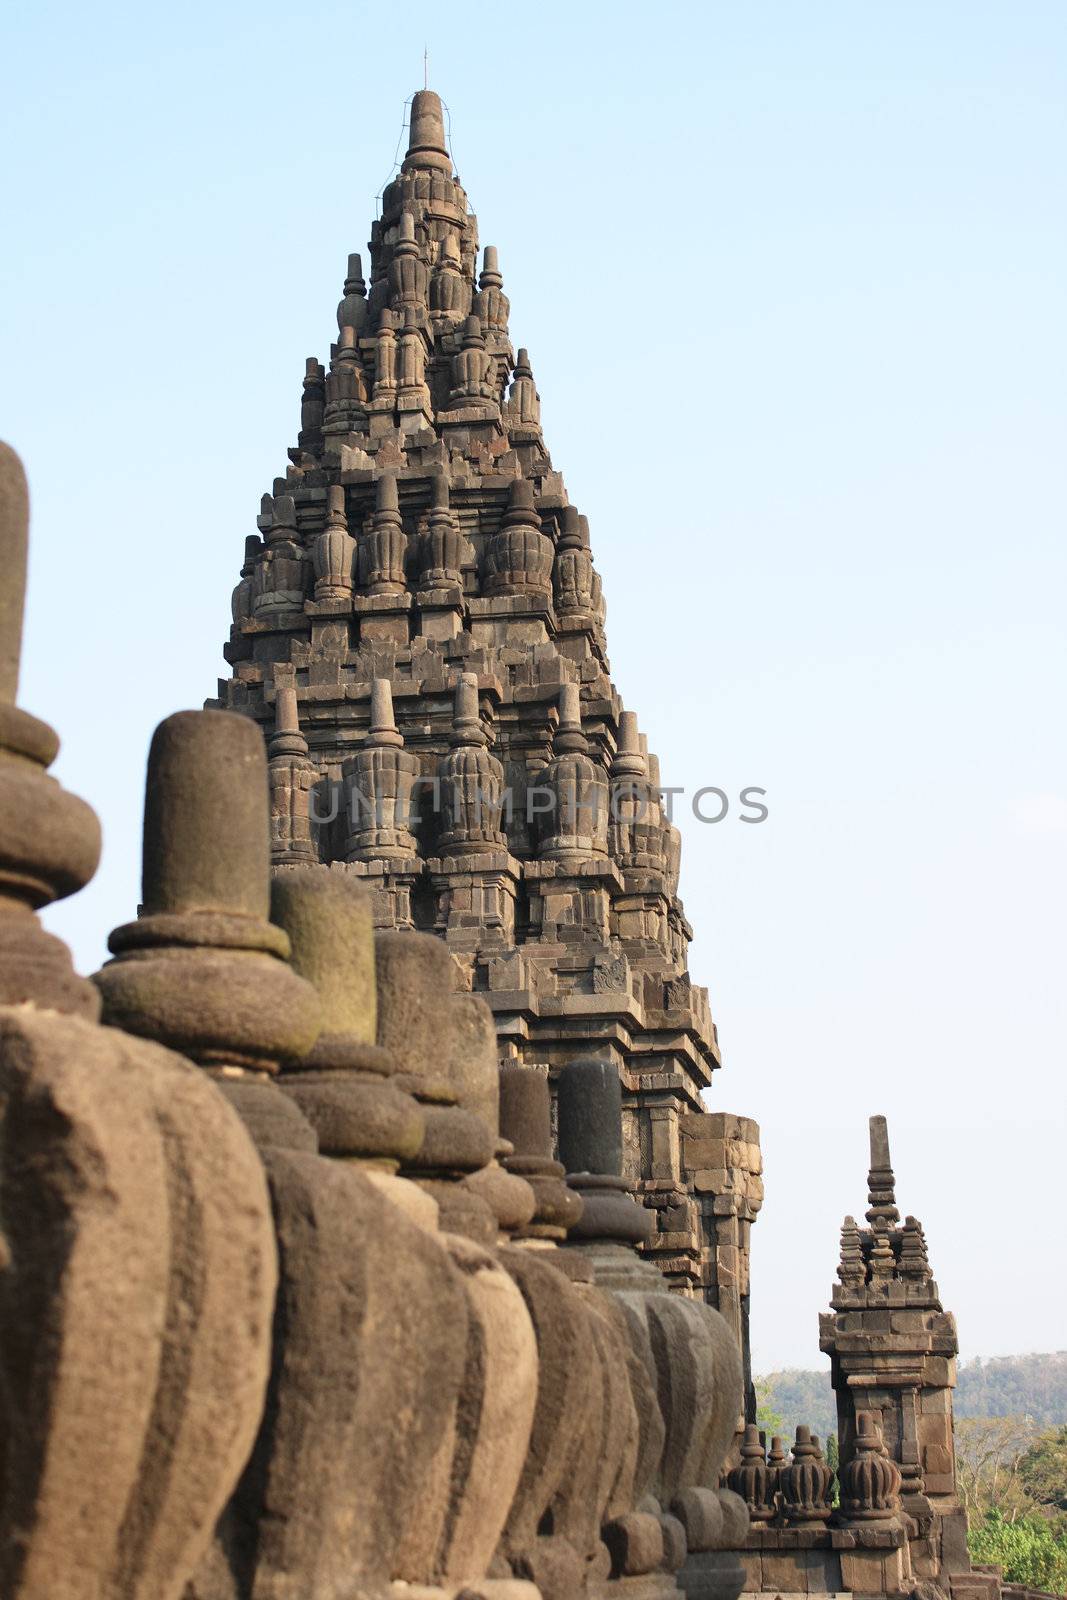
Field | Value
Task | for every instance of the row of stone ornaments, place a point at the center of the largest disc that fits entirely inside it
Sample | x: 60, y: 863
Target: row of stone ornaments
x: 315, y: 561
x: 281, y: 1311
x: 799, y: 1492
x: 577, y: 809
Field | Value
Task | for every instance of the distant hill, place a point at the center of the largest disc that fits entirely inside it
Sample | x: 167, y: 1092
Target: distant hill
x: 1002, y: 1386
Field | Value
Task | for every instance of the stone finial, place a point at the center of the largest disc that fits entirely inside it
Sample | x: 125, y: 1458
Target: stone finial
x: 242, y: 598
x: 14, y: 543
x: 471, y: 780
x: 474, y: 376
x: 352, y: 310
x: 427, y: 147
x: 345, y: 411
x: 292, y: 777
x: 491, y: 303
x: 379, y: 781
x: 442, y: 547
x: 312, y: 407
x: 914, y: 1261
x: 334, y: 551
x: 752, y: 1479
x: 383, y: 547
x: 490, y: 274
x: 881, y: 1183
x: 589, y: 1097
x: 408, y: 274
x: 279, y: 578
x: 519, y: 555
x: 202, y: 969
x: 851, y: 1270
x: 589, y: 1105
x: 329, y: 918
x: 466, y: 720
x: 576, y: 822
x: 523, y: 408
x: 805, y: 1483
x: 50, y: 840
x: 526, y: 1122
x: 870, y: 1482
x: 776, y: 1456
x: 450, y: 290
x: 287, y: 740
x: 385, y: 357
x: 574, y: 580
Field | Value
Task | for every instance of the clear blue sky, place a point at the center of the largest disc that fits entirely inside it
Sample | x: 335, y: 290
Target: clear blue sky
x: 792, y: 278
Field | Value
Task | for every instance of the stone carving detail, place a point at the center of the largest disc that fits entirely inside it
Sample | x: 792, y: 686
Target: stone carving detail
x: 753, y: 1479
x: 385, y: 360
x: 576, y: 822
x: 636, y: 835
x: 292, y: 777
x: 335, y: 551
x: 279, y: 580
x: 352, y: 310
x: 312, y: 408
x: 491, y: 304
x: 450, y: 291
x: 805, y: 1483
x: 242, y: 599
x: 522, y: 409
x: 870, y: 1483
x: 471, y: 780
x: 575, y: 583
x: 383, y: 547
x: 519, y: 556
x: 346, y: 391
x: 378, y: 787
x: 474, y: 379
x: 408, y: 275
x: 442, y: 547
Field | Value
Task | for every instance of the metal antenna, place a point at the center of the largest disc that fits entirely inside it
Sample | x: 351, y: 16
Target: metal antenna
x: 425, y: 67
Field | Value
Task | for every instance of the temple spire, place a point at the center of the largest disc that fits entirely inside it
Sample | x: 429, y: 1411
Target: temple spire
x: 881, y: 1184
x: 427, y: 147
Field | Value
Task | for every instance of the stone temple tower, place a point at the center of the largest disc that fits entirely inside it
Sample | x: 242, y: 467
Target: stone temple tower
x: 419, y: 628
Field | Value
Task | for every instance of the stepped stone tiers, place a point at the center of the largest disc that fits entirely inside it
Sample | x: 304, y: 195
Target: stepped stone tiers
x: 419, y: 630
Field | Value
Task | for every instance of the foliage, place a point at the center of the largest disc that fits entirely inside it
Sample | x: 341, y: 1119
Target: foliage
x: 989, y: 1456
x: 1015, y: 1386
x: 1033, y: 1386
x: 796, y: 1396
x: 1028, y: 1551
x: 1043, y: 1472
x: 766, y: 1416
x: 833, y: 1461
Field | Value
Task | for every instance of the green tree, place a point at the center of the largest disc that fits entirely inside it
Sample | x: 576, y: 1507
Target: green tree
x: 1028, y: 1551
x: 833, y: 1461
x: 767, y: 1417
x: 989, y: 1456
x: 1043, y: 1474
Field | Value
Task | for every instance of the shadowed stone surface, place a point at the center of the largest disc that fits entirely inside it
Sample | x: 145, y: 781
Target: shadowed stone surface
x: 137, y: 1254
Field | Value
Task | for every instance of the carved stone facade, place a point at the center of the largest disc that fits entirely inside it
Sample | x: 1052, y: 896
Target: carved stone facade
x: 424, y: 595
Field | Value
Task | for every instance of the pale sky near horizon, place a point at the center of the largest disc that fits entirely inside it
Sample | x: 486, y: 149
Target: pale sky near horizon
x: 792, y: 280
